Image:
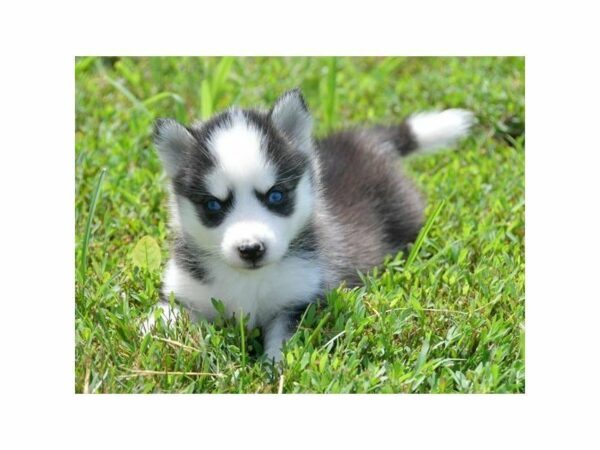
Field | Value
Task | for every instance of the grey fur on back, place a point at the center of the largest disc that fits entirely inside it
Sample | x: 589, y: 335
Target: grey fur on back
x: 374, y: 209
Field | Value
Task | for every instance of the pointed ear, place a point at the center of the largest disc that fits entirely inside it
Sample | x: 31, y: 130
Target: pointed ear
x: 172, y: 141
x: 292, y: 118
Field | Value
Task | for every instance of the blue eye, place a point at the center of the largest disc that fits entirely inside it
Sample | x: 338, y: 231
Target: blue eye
x: 213, y: 205
x: 275, y: 197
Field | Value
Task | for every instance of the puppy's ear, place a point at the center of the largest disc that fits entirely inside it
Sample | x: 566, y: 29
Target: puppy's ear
x: 172, y: 141
x: 292, y: 118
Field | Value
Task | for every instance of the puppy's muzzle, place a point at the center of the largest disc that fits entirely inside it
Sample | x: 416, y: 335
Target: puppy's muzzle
x: 251, y: 251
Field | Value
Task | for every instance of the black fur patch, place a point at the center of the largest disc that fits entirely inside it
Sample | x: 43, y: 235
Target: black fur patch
x: 292, y: 315
x: 286, y: 207
x: 190, y: 180
x: 400, y: 136
x: 213, y: 218
x: 306, y: 242
x: 290, y: 163
x: 189, y: 257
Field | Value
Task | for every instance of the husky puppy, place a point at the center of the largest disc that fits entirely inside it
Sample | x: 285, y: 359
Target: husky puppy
x: 267, y: 219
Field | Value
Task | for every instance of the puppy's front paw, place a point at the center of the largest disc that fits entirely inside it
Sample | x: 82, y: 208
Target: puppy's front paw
x: 274, y: 356
x: 162, y: 312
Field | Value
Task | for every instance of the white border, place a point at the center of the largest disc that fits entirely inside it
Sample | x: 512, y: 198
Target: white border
x: 39, y: 41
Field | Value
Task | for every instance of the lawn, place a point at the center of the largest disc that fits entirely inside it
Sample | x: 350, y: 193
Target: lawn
x: 448, y: 317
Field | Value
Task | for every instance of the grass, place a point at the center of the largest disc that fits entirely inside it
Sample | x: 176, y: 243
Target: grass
x: 447, y: 317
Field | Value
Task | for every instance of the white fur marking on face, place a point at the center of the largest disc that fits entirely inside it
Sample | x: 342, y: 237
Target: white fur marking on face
x: 249, y: 225
x: 207, y: 239
x: 440, y: 129
x: 240, y: 159
x: 251, y: 221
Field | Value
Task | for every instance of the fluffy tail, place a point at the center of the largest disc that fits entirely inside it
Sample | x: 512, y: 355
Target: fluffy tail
x: 427, y: 131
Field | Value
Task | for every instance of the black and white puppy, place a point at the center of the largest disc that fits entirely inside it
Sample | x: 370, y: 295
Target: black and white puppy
x: 266, y: 219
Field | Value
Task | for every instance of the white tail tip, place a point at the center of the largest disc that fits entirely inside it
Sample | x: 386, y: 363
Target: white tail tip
x: 437, y: 129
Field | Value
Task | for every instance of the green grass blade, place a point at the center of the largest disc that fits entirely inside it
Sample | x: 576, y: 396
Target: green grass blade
x: 206, y: 107
x: 330, y: 98
x: 243, y: 338
x: 120, y: 87
x: 424, y: 231
x: 162, y: 95
x: 82, y: 64
x: 88, y: 226
x: 221, y: 75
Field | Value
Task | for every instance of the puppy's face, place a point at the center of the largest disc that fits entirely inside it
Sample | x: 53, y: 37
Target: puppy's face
x: 242, y: 181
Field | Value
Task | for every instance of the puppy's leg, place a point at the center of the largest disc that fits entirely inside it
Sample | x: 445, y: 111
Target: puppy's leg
x: 166, y: 312
x: 279, y: 329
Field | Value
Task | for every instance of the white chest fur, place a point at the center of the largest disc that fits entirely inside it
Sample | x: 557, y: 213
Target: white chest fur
x: 259, y: 294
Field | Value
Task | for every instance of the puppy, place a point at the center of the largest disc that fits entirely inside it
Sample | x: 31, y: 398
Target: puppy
x: 267, y: 219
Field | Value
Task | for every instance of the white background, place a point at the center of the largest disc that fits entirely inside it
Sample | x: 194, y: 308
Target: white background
x: 39, y: 41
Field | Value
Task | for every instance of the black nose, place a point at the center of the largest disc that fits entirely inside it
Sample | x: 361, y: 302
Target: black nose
x: 251, y: 251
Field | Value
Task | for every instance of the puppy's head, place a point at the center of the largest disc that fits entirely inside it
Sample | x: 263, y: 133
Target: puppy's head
x: 242, y: 180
